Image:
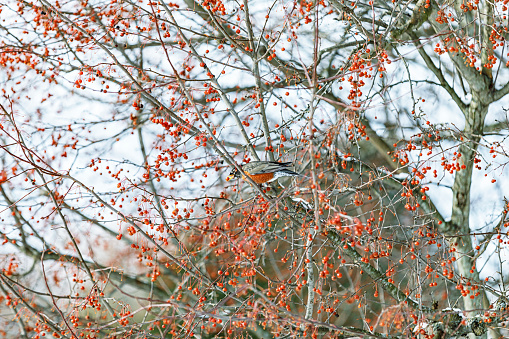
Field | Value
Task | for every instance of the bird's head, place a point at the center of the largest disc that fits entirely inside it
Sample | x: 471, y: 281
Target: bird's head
x: 233, y: 174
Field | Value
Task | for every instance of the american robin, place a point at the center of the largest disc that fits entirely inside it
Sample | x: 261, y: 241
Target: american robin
x: 262, y: 172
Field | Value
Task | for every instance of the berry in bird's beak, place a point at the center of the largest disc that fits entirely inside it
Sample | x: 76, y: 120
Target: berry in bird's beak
x: 230, y: 177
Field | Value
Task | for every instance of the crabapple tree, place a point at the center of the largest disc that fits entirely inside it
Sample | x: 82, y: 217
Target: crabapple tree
x: 120, y: 120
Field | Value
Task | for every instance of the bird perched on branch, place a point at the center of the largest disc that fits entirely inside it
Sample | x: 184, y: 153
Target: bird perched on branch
x: 262, y: 172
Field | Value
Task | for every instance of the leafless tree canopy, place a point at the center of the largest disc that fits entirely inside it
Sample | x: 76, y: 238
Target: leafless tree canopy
x: 120, y: 121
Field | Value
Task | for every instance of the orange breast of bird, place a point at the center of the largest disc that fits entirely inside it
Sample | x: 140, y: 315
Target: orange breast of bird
x: 261, y: 178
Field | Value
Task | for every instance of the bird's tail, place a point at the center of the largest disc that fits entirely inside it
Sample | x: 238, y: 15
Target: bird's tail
x: 290, y: 172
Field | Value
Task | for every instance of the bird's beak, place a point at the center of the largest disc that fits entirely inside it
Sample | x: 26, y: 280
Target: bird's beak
x: 230, y: 177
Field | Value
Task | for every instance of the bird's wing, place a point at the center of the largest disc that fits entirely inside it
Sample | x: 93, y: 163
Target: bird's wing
x: 267, y: 167
x: 282, y: 164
